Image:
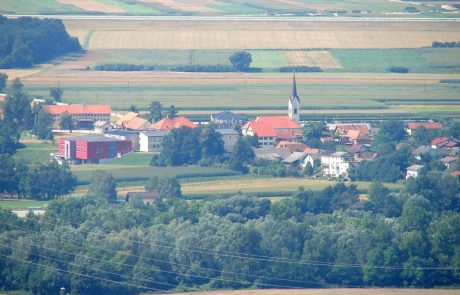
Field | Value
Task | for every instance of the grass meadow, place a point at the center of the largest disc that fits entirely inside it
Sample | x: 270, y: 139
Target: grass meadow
x: 21, y: 204
x: 35, y: 151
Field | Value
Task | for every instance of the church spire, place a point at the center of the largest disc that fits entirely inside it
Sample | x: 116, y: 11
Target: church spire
x: 294, y: 89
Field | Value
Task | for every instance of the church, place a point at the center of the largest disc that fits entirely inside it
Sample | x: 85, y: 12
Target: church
x: 272, y: 129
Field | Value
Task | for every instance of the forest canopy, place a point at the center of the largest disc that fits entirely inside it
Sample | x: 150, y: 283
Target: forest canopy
x: 27, y: 41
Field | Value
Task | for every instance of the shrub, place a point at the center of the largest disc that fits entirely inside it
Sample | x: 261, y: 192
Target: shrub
x: 396, y: 69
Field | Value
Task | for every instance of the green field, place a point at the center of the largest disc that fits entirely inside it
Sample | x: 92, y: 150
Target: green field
x: 35, y: 152
x: 21, y: 204
x: 253, y: 96
x: 418, y: 60
x: 137, y: 158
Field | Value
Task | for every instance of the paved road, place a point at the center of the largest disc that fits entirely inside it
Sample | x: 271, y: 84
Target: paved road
x: 240, y: 18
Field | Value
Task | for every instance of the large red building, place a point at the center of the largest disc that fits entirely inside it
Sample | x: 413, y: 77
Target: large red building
x: 92, y: 148
x: 83, y: 116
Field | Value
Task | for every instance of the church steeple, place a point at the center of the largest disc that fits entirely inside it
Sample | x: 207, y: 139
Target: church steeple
x: 294, y: 103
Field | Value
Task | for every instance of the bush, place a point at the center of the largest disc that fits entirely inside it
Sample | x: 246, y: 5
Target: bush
x: 437, y: 44
x: 395, y: 69
x: 241, y: 60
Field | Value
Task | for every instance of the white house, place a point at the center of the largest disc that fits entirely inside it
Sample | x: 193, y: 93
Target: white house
x: 151, y: 141
x: 413, y: 171
x: 336, y: 164
x: 102, y: 127
x: 230, y: 137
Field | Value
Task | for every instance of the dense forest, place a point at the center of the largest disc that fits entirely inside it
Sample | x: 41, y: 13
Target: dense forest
x: 27, y: 41
x: 312, y: 239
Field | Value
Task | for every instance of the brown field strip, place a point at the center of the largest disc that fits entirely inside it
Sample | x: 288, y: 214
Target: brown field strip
x: 93, y: 5
x: 341, y: 291
x: 227, y: 34
x: 322, y: 59
x: 185, y: 5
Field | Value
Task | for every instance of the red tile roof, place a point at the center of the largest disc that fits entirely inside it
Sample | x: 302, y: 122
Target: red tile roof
x: 168, y: 124
x: 345, y: 129
x: 78, y: 109
x: 439, y: 140
x: 426, y: 125
x: 126, y: 118
x: 311, y: 151
x: 137, y: 124
x: 456, y: 173
x: 275, y: 126
x: 292, y: 145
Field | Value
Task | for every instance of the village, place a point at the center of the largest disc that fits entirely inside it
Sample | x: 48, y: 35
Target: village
x: 339, y: 147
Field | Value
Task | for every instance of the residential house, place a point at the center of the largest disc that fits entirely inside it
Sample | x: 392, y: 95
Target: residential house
x: 152, y: 140
x: 102, y: 127
x: 444, y: 142
x: 272, y: 153
x: 296, y: 159
x: 228, y: 118
x: 137, y: 124
x: 92, y: 148
x: 83, y: 116
x: 413, y: 171
x: 336, y: 164
x: 230, y: 137
x: 449, y: 161
x: 293, y: 146
x: 167, y: 124
x: 412, y: 126
x: 456, y: 173
x: 121, y: 122
x: 132, y: 136
x: 354, y: 133
x: 146, y: 197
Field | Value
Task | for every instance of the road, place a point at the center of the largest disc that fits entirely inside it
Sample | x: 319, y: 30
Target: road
x: 239, y: 18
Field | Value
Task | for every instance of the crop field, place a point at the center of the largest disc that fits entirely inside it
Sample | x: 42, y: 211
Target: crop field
x: 332, y: 291
x: 262, y: 184
x: 207, y: 7
x: 21, y: 204
x: 321, y: 59
x: 227, y: 34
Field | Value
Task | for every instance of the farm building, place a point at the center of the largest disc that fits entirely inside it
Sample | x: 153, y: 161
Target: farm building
x: 151, y: 141
x: 102, y: 127
x: 146, y: 197
x: 83, y: 116
x: 168, y: 124
x: 336, y: 164
x: 92, y: 148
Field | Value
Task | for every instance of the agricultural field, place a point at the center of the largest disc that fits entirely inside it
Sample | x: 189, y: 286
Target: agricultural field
x: 332, y: 291
x: 35, y: 151
x: 217, y: 7
x: 21, y: 204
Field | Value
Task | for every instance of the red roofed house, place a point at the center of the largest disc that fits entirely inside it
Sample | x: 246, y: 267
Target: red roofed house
x: 92, y: 148
x: 411, y: 126
x: 137, y: 124
x: 443, y: 142
x: 292, y: 146
x: 456, y: 173
x: 121, y: 123
x: 354, y: 133
x: 167, y: 124
x: 83, y: 116
x: 271, y: 129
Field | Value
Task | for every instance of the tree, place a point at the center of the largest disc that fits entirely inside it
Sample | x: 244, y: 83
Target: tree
x: 169, y: 188
x: 308, y: 170
x: 9, y: 181
x: 172, y: 112
x: 56, y: 93
x: 155, y: 111
x: 241, y: 60
x: 17, y: 109
x: 152, y: 184
x: 42, y: 127
x: 212, y: 145
x: 103, y: 186
x: 47, y: 181
x: 3, y: 80
x: 9, y: 137
x: 241, y: 155
x: 312, y: 131
x: 390, y: 131
x: 66, y: 122
x: 133, y: 108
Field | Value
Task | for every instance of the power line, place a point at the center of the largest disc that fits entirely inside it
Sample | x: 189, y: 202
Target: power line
x: 79, y: 274
x: 198, y: 276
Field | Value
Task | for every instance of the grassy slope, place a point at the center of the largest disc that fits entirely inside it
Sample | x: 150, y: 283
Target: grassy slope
x: 35, y: 152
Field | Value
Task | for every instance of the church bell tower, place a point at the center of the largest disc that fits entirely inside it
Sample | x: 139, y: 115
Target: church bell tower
x: 294, y: 103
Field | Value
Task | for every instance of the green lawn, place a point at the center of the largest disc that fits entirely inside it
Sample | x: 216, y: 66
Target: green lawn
x: 22, y: 204
x: 268, y: 59
x: 136, y: 159
x: 35, y: 152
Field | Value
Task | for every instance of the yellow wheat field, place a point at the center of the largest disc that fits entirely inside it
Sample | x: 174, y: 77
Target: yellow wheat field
x: 226, y: 34
x: 93, y: 5
x: 322, y: 59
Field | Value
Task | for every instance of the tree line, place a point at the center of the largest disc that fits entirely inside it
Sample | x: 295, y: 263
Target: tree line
x: 27, y: 41
x: 311, y: 239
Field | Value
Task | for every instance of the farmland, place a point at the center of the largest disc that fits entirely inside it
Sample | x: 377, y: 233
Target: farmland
x: 214, y: 7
